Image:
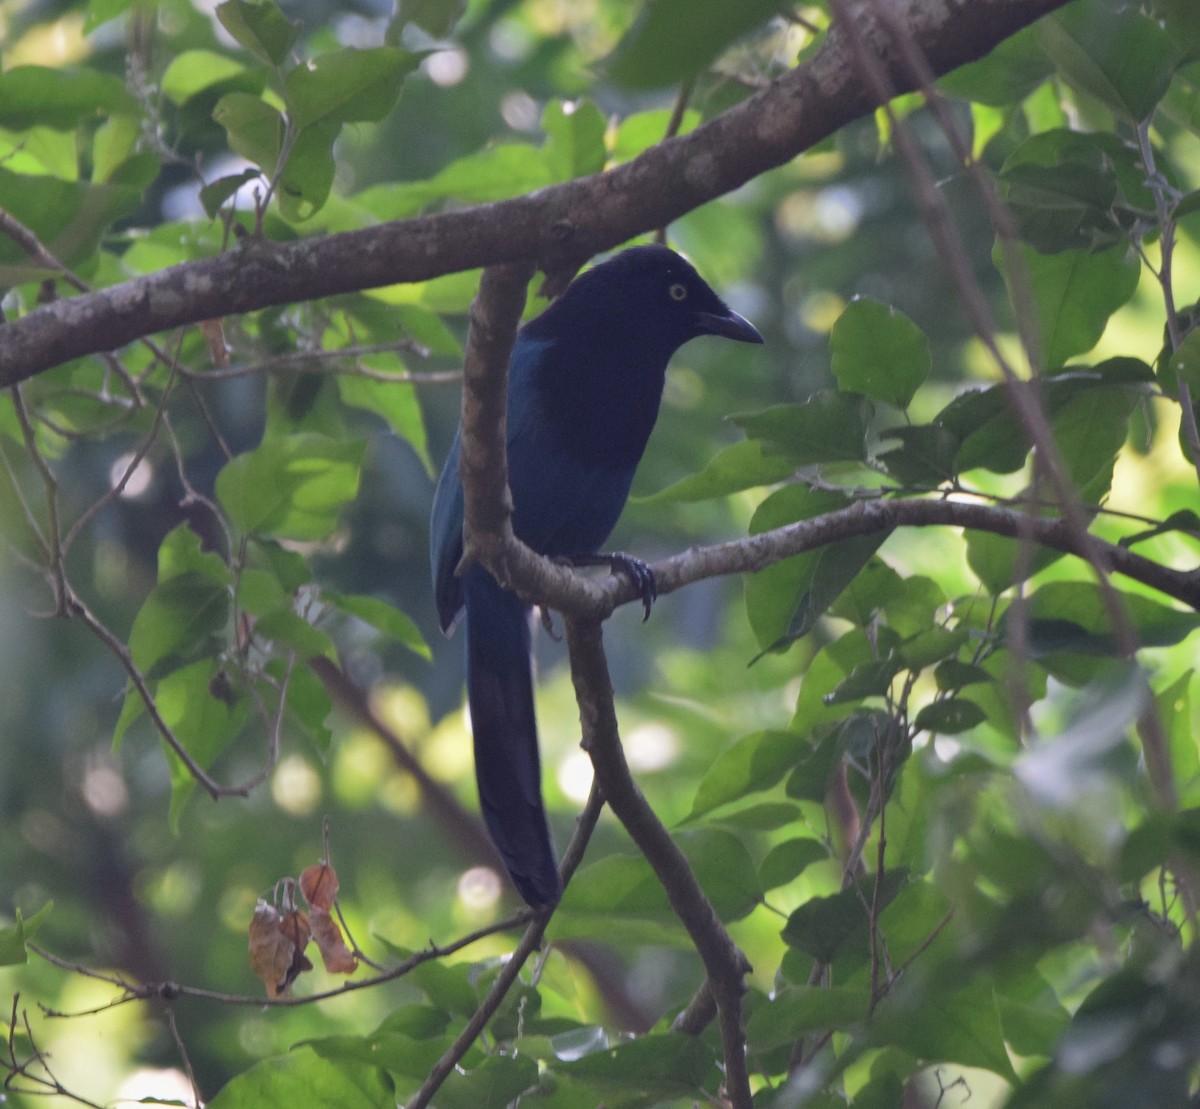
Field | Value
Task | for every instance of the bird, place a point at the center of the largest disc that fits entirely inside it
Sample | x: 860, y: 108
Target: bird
x: 584, y: 387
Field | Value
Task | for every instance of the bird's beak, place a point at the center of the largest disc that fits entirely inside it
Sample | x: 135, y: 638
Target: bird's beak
x: 728, y: 324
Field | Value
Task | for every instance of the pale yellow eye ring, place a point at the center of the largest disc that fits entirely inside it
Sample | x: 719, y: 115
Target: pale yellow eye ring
x: 678, y: 291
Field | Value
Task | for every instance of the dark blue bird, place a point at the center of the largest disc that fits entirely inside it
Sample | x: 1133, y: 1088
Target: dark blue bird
x: 585, y: 382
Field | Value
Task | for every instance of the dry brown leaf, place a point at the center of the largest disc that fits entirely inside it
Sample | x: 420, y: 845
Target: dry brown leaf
x: 270, y: 950
x: 335, y: 954
x: 319, y: 884
x: 296, y: 927
x: 277, y: 943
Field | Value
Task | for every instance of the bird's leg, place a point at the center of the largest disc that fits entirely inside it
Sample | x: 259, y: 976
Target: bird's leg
x: 635, y: 569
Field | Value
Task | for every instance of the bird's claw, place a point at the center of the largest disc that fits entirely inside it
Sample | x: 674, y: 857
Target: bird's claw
x: 634, y: 569
x: 640, y: 574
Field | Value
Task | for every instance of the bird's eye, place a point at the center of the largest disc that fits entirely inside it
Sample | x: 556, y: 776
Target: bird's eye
x: 678, y: 291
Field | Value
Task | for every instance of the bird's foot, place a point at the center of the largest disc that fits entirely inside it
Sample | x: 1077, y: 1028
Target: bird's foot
x: 635, y: 569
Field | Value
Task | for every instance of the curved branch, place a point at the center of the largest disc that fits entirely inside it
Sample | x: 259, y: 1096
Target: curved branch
x: 560, y: 226
x: 595, y: 598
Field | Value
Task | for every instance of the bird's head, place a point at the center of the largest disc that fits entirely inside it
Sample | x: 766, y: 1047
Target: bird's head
x: 652, y: 297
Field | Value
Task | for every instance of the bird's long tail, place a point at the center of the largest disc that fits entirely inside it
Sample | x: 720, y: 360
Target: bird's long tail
x: 507, y: 767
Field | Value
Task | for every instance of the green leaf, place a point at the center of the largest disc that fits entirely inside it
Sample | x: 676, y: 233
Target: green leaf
x: 638, y: 132
x: 395, y: 1053
x: 180, y: 552
x: 824, y: 926
x: 397, y: 402
x: 784, y: 601
x: 62, y: 99
x: 767, y: 816
x: 788, y: 860
x: 254, y: 128
x: 1006, y: 75
x: 1074, y: 293
x: 261, y: 28
x: 100, y: 12
x: 292, y: 487
x: 673, y: 40
x: 754, y: 763
x: 1081, y: 604
x: 987, y: 429
x: 308, y: 705
x: 869, y: 679
x: 1090, y: 430
x: 1122, y: 57
x: 113, y: 146
x: 286, y: 627
x: 1184, y: 365
x: 810, y: 779
x: 658, y: 1066
x: 383, y: 617
x: 498, y: 1081
x: 69, y: 218
x: 178, y: 619
x: 953, y: 674
x: 447, y: 987
x: 798, y: 1010
x: 875, y: 586
x: 878, y: 352
x: 926, y: 455
x: 949, y: 716
x: 348, y: 86
x: 497, y: 173
x: 998, y: 561
x: 1187, y: 205
x: 202, y: 721
x: 302, y: 1077
x: 1174, y: 706
x: 965, y: 1028
x: 743, y: 465
x: 828, y: 667
x: 626, y: 885
x: 1075, y: 191
x: 1030, y: 1012
x: 574, y: 139
x: 214, y: 194
x: 308, y: 174
x: 930, y: 646
x: 435, y: 17
x: 828, y: 427
x: 193, y: 71
x: 132, y: 708
x: 13, y: 939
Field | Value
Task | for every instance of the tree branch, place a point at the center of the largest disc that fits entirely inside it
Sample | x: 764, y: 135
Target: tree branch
x: 725, y: 964
x: 560, y: 226
x: 595, y: 598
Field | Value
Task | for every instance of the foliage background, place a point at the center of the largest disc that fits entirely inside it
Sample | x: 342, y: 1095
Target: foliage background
x: 1061, y: 871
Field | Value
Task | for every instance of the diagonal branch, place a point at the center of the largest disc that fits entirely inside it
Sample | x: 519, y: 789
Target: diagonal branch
x: 560, y: 226
x: 725, y: 965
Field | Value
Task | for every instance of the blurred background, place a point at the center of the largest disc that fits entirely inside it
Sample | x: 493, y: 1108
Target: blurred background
x: 84, y: 823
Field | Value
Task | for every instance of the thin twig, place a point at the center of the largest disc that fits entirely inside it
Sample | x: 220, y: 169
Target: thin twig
x: 50, y: 483
x: 303, y: 362
x: 171, y: 991
x: 197, y: 1100
x: 530, y: 942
